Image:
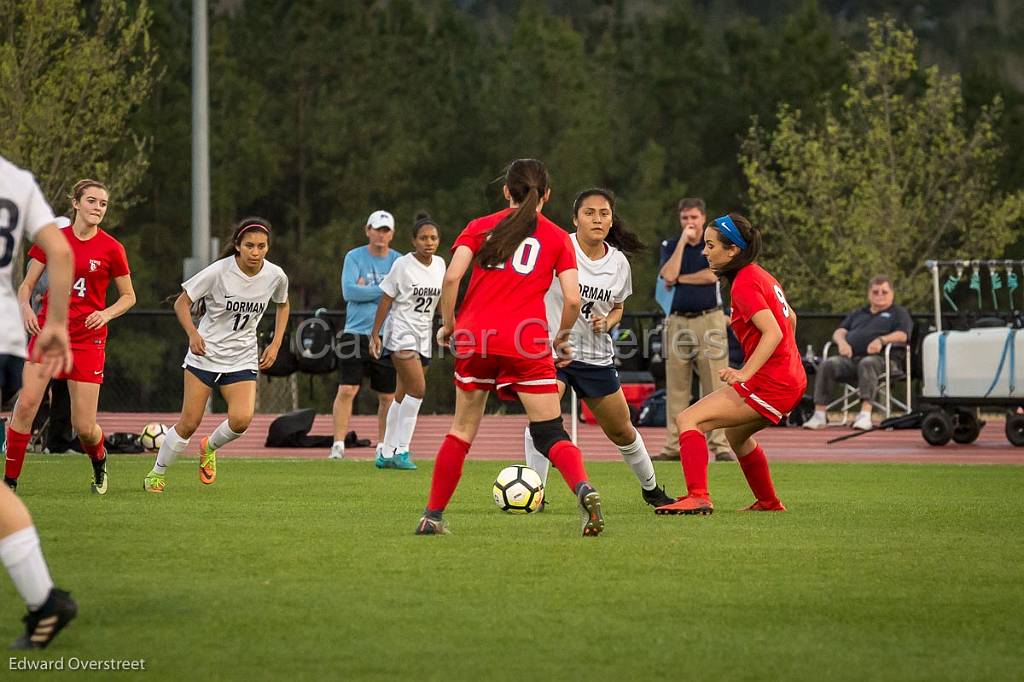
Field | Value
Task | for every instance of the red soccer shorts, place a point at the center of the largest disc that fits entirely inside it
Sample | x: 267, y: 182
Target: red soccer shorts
x: 88, y: 364
x: 507, y: 375
x: 770, y: 399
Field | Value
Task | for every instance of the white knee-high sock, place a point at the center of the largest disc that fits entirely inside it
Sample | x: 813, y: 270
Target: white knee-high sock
x: 407, y: 421
x: 639, y: 461
x: 391, y: 429
x: 221, y: 436
x: 23, y: 557
x: 534, y: 459
x: 173, y: 446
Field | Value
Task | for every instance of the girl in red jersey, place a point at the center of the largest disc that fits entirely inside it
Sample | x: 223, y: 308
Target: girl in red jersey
x: 770, y: 383
x: 501, y: 340
x: 98, y: 259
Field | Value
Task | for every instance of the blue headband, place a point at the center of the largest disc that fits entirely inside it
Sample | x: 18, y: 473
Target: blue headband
x: 728, y: 229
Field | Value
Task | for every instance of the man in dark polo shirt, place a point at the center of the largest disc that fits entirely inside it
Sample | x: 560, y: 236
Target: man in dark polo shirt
x: 860, y: 340
x: 695, y: 337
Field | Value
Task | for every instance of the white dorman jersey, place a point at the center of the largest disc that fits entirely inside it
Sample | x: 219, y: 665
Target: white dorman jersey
x: 23, y: 211
x: 603, y: 283
x: 235, y: 303
x: 416, y: 290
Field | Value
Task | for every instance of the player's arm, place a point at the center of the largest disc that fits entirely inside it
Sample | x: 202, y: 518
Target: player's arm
x: 280, y: 324
x: 183, y: 311
x: 569, y: 281
x: 461, y: 260
x: 25, y: 289
x: 383, y: 306
x: 600, y: 325
x: 125, y: 300
x: 771, y: 336
x: 53, y: 347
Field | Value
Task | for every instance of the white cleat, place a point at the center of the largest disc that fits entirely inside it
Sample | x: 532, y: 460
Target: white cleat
x: 337, y: 452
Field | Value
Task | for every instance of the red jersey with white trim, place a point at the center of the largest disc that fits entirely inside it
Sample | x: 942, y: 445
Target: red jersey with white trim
x: 97, y: 260
x: 506, y: 304
x: 753, y: 290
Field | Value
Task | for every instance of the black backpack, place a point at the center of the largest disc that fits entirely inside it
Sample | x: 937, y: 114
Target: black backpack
x: 653, y: 412
x: 313, y: 345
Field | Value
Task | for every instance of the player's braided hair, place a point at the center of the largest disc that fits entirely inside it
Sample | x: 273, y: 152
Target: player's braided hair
x: 746, y: 256
x: 527, y: 181
x: 619, y: 235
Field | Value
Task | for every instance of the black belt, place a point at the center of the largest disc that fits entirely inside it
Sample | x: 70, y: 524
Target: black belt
x: 700, y: 314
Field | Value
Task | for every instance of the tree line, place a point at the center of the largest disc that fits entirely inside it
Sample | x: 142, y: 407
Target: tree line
x: 322, y: 112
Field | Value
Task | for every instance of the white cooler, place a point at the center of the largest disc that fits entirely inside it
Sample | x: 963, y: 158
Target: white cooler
x: 972, y: 360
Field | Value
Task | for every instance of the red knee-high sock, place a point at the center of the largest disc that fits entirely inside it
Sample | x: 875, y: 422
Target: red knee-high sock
x: 759, y: 478
x: 96, y: 451
x: 568, y: 459
x: 447, y: 472
x: 17, y: 444
x: 693, y: 453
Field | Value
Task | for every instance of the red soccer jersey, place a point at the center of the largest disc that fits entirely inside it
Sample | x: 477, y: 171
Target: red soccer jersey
x: 507, y: 303
x: 97, y: 260
x: 754, y: 290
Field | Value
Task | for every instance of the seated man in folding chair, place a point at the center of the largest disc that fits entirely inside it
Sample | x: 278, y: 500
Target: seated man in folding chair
x: 861, y: 340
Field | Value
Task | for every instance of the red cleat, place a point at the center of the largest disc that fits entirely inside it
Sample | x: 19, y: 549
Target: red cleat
x: 765, y: 507
x: 700, y: 505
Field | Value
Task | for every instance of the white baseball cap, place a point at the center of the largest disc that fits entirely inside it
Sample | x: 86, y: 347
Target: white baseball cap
x: 378, y: 220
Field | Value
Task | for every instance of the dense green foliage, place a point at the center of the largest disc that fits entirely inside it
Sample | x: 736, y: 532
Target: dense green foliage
x: 308, y: 570
x: 324, y: 111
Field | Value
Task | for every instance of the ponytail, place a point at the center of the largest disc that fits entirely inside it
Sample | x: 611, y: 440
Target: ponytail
x: 527, y: 181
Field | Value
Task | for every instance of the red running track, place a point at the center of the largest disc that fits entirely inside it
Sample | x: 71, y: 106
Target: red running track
x: 501, y: 438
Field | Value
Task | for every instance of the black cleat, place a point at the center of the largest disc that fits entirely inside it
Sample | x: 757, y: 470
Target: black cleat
x: 431, y: 526
x: 99, y: 476
x: 11, y: 483
x: 591, y: 519
x: 656, y: 497
x: 43, y: 624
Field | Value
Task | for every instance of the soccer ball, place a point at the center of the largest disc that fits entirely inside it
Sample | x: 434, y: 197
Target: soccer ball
x: 518, y: 490
x: 153, y: 436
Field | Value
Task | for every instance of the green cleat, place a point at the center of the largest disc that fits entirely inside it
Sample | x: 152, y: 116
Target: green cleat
x: 207, y: 462
x: 153, y: 483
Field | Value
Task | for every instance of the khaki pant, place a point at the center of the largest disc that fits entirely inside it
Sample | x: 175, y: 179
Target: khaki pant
x: 693, y: 343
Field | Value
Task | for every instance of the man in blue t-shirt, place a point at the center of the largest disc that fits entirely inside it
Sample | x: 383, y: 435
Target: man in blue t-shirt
x: 695, y: 336
x: 364, y: 269
x: 860, y: 341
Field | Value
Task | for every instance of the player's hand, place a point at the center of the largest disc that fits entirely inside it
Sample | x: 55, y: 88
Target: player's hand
x: 53, y: 350
x: 375, y: 346
x: 197, y: 344
x: 30, y: 318
x: 361, y: 282
x: 845, y: 349
x: 269, y: 355
x: 874, y: 347
x: 97, y: 319
x: 564, y: 349
x: 599, y: 325
x: 733, y: 376
x: 444, y: 336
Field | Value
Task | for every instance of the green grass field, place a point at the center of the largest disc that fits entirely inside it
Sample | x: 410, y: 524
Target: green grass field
x: 309, y: 570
